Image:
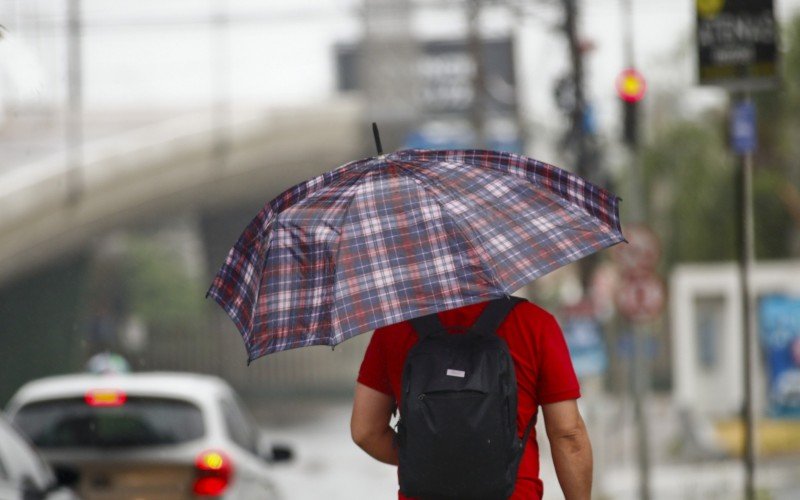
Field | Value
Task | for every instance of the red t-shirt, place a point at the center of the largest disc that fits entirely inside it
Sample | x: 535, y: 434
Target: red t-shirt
x: 541, y: 362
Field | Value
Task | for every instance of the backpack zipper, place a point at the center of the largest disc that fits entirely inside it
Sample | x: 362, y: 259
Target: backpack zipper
x: 450, y: 395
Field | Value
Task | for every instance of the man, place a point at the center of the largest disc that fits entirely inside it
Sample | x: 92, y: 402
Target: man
x: 545, y: 378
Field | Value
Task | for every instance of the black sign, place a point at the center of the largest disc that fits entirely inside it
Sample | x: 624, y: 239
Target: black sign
x: 736, y: 43
x: 446, y: 71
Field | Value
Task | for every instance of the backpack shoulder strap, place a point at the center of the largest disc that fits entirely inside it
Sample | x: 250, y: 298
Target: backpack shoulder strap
x: 427, y: 325
x: 494, y: 314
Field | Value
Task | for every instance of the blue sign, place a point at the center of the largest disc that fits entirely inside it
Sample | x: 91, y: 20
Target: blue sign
x: 743, y: 128
x: 443, y: 138
x: 627, y: 346
x: 780, y: 337
x: 586, y: 348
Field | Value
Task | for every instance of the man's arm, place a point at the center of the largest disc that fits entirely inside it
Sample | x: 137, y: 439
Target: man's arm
x: 570, y: 447
x: 369, y: 424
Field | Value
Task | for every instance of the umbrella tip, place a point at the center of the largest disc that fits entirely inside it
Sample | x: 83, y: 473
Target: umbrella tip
x: 377, y: 136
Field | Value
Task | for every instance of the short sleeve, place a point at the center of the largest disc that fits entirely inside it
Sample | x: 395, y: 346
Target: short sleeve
x: 557, y: 380
x: 373, y: 372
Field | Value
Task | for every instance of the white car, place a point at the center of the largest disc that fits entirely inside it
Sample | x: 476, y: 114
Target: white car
x: 148, y: 436
x: 23, y: 473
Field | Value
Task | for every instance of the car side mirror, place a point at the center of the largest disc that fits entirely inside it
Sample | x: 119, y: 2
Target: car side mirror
x: 30, y: 491
x: 272, y: 454
x: 282, y: 453
x: 67, y: 476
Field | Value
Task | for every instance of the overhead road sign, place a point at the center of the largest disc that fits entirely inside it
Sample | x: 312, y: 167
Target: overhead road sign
x: 736, y: 44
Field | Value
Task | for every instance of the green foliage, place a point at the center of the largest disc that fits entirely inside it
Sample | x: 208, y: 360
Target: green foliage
x: 773, y: 225
x: 791, y: 66
x: 689, y: 180
x: 160, y: 289
x: 691, y: 176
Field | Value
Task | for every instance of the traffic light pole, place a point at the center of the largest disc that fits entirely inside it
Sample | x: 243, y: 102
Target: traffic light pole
x: 640, y: 376
x: 578, y: 115
x: 576, y: 60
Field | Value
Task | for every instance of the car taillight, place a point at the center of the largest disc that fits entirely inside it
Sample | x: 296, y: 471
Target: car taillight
x: 105, y: 397
x: 213, y: 472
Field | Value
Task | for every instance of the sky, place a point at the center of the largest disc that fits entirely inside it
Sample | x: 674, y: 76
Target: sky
x: 281, y: 53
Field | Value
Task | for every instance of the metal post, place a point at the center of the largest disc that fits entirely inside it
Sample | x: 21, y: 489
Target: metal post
x: 478, y: 111
x: 641, y: 382
x: 746, y: 255
x: 390, y: 54
x: 576, y: 59
x: 577, y: 130
x: 220, y: 71
x: 74, y: 120
x: 641, y: 334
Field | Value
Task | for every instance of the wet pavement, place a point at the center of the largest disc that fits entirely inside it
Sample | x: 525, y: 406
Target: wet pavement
x: 328, y: 464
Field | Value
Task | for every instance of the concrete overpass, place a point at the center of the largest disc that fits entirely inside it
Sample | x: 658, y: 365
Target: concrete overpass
x: 132, y: 177
x: 180, y: 163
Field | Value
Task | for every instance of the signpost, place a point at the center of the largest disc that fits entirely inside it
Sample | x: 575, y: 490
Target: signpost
x: 640, y: 298
x: 736, y: 47
x: 737, y: 50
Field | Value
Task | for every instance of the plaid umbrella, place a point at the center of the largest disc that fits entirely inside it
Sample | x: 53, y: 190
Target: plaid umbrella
x: 389, y: 238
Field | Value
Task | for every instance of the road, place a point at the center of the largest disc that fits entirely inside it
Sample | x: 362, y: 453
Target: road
x: 329, y: 465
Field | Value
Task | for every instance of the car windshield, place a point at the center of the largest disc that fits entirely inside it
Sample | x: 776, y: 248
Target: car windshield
x: 138, y: 421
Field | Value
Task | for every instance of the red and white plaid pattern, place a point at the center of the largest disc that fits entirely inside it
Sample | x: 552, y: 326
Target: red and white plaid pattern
x: 385, y: 239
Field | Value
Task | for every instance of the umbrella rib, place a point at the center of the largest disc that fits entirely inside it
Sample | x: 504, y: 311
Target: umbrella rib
x: 345, y: 213
x: 486, y: 264
x: 539, y: 173
x: 346, y: 174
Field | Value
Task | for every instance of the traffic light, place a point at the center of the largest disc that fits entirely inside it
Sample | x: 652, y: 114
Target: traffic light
x: 630, y: 130
x: 630, y: 88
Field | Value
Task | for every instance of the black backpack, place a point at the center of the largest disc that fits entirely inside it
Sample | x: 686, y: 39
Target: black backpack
x: 457, y: 434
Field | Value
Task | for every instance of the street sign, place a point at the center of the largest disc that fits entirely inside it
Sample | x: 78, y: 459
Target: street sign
x: 585, y: 342
x: 445, y: 72
x: 641, y: 253
x: 743, y: 128
x: 641, y: 298
x: 779, y: 318
x: 736, y: 44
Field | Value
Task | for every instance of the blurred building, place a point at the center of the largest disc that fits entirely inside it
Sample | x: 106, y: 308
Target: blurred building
x: 707, y: 338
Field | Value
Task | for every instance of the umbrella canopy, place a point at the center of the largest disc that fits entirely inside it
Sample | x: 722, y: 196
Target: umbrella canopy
x: 389, y: 238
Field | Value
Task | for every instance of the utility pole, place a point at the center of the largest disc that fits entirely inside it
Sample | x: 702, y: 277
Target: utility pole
x: 221, y: 74
x: 220, y: 152
x: 579, y: 110
x: 74, y: 119
x: 474, y: 42
x: 578, y: 137
x: 631, y: 87
x: 388, y: 65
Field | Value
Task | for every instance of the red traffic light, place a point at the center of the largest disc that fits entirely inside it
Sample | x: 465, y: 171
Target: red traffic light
x: 631, y: 85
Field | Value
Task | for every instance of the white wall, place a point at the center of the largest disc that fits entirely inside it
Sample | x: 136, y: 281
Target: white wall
x: 717, y: 390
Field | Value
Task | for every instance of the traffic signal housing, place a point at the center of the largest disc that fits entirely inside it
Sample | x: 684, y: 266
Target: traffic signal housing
x: 631, y: 87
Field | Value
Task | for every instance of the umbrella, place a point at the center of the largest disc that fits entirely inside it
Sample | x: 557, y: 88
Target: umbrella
x: 401, y: 235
